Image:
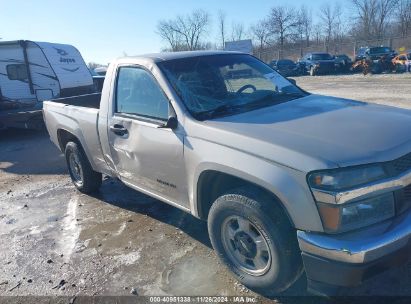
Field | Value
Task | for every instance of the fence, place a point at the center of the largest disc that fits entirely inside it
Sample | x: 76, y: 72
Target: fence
x: 349, y: 47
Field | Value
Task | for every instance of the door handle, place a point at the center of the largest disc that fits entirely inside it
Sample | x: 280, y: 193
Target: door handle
x: 118, y: 129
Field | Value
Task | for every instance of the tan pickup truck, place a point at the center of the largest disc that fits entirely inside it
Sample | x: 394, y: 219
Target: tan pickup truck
x: 289, y: 182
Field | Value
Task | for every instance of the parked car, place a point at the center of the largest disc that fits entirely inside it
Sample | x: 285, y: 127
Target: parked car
x: 402, y: 63
x: 285, y: 67
x: 343, y: 63
x: 31, y: 72
x: 101, y: 70
x: 317, y: 63
x: 288, y: 181
x: 375, y: 53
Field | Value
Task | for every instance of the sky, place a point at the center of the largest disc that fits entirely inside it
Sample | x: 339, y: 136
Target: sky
x: 103, y: 30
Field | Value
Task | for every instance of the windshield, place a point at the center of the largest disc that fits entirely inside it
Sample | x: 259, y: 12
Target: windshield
x: 380, y: 50
x: 285, y: 62
x: 219, y: 85
x: 321, y: 57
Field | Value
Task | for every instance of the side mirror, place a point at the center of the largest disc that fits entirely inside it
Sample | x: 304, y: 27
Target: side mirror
x: 171, y: 123
x: 292, y: 81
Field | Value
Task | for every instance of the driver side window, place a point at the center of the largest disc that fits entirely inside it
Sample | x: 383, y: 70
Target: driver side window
x: 138, y: 93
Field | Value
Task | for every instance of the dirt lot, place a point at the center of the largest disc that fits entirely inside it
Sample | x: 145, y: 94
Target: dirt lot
x: 388, y: 89
x: 56, y: 241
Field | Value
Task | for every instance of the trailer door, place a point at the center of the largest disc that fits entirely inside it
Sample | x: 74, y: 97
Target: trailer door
x: 14, y: 74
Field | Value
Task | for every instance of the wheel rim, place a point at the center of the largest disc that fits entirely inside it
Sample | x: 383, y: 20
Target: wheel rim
x: 246, y: 245
x: 75, y: 168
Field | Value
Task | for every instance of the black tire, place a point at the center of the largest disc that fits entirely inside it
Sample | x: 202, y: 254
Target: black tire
x: 265, y: 215
x: 84, y: 177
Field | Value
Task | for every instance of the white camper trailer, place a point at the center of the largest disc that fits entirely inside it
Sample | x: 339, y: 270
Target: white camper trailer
x: 31, y: 72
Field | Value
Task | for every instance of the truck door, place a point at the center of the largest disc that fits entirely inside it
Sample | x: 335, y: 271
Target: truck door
x: 146, y: 156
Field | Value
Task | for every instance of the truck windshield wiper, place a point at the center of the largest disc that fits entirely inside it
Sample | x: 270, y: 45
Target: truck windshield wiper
x: 229, y: 108
x: 220, y: 110
x: 273, y: 99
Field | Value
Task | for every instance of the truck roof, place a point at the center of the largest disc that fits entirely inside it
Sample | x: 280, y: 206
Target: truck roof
x: 22, y: 41
x: 158, y: 57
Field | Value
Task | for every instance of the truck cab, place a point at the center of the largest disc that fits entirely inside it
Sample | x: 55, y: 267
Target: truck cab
x: 285, y: 184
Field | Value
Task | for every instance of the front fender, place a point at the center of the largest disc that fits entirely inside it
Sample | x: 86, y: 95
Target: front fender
x: 287, y: 184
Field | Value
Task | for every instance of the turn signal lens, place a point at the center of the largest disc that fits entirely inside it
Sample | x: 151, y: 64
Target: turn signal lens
x: 340, y: 218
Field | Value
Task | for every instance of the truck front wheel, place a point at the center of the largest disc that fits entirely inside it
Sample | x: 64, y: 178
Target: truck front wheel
x: 83, y: 176
x: 254, y: 238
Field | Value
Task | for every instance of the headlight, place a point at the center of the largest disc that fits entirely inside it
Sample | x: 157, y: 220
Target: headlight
x: 356, y: 214
x: 340, y: 218
x: 340, y: 179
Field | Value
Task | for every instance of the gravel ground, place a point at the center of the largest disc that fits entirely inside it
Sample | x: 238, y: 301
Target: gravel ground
x: 56, y: 241
x: 388, y: 89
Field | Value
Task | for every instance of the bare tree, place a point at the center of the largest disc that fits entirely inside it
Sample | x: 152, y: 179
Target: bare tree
x: 192, y: 27
x: 303, y: 28
x: 373, y: 16
x: 222, y: 27
x: 283, y: 21
x: 237, y: 31
x: 327, y: 16
x: 317, y: 32
x: 366, y: 12
x: 261, y: 33
x: 404, y: 17
x: 166, y: 31
x: 385, y: 9
x: 185, y: 30
x: 92, y: 65
x: 304, y: 25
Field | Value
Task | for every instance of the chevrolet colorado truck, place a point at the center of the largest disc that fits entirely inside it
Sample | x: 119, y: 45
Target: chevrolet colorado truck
x: 289, y: 182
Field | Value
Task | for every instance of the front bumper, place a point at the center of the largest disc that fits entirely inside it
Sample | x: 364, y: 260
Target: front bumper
x: 324, y: 69
x: 328, y: 277
x: 349, y: 259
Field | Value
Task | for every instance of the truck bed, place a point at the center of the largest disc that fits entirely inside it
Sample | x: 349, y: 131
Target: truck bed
x: 77, y: 115
x: 87, y: 101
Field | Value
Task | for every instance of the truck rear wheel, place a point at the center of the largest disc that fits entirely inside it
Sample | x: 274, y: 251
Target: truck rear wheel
x: 83, y: 176
x: 254, y: 238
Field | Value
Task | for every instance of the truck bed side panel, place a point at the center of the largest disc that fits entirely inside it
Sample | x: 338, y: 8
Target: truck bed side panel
x: 82, y: 123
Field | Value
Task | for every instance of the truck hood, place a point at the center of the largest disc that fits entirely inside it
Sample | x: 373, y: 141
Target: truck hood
x: 316, y: 132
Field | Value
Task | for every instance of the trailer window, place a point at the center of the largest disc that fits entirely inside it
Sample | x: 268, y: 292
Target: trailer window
x: 17, y: 71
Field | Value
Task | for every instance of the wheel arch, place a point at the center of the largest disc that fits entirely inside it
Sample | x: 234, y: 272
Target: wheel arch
x: 64, y: 136
x: 213, y: 183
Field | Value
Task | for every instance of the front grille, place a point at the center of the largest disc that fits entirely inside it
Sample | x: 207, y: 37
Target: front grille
x: 395, y: 168
x: 403, y: 199
x: 400, y: 165
x: 407, y: 193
